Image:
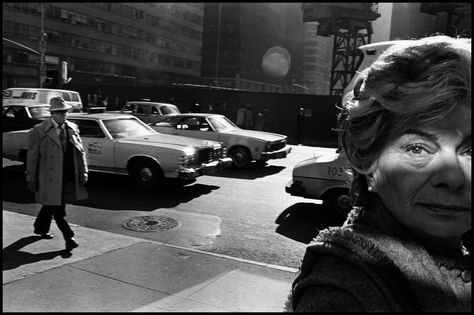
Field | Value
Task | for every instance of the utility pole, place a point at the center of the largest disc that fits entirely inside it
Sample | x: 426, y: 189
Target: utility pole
x: 219, y: 11
x: 42, y: 48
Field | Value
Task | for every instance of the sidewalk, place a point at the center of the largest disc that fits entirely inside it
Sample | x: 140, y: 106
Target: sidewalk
x: 117, y: 273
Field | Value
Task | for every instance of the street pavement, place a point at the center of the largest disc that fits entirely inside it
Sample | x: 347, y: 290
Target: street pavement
x: 111, y: 272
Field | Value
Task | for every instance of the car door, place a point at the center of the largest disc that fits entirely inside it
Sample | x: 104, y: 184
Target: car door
x: 196, y: 127
x: 142, y: 112
x: 155, y: 114
x: 98, y: 145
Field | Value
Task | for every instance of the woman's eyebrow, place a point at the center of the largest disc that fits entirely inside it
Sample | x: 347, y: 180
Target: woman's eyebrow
x: 467, y: 139
x: 422, y: 133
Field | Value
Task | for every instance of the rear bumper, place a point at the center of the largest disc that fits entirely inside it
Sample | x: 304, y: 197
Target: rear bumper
x: 205, y: 169
x: 280, y: 154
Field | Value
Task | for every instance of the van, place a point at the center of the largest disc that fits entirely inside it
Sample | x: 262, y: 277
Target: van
x: 370, y: 53
x: 19, y: 96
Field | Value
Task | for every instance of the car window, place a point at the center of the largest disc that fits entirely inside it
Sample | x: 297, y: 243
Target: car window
x: 66, y: 96
x: 204, y: 126
x: 129, y: 107
x: 127, y: 127
x: 39, y: 112
x: 10, y: 112
x: 154, y: 110
x: 28, y: 95
x: 221, y: 123
x: 191, y: 123
x: 143, y: 109
x: 74, y: 97
x: 169, y: 110
x: 21, y: 113
x: 90, y: 128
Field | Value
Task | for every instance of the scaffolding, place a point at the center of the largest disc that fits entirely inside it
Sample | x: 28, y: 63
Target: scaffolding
x: 350, y: 24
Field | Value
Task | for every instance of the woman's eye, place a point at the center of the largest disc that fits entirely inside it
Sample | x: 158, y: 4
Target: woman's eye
x: 468, y: 151
x: 417, y: 149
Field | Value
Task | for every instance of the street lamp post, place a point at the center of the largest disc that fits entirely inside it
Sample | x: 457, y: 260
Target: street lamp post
x: 42, y: 48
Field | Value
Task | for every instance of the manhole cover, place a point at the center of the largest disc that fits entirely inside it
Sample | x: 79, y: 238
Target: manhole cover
x: 151, y: 223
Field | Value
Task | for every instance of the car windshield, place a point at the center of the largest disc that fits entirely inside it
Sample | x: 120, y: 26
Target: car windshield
x: 40, y: 112
x: 169, y: 110
x: 127, y: 127
x: 221, y: 123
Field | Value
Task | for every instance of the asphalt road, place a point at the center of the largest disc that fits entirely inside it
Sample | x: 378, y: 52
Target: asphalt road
x: 231, y: 213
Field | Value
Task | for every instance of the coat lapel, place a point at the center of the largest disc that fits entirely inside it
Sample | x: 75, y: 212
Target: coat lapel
x: 51, y: 132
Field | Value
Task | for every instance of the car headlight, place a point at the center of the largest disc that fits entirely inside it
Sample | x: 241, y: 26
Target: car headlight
x: 187, y: 159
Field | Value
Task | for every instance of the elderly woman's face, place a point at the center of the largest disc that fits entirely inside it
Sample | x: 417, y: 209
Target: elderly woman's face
x: 424, y: 178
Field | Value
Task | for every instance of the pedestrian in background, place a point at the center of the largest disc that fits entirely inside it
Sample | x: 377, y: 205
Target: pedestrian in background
x: 249, y: 119
x: 195, y: 107
x: 56, y: 170
x: 241, y: 113
x: 299, y: 125
x: 267, y: 119
x: 406, y: 131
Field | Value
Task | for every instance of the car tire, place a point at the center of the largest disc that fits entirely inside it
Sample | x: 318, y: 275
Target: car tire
x: 146, y: 174
x: 339, y: 200
x: 240, y: 156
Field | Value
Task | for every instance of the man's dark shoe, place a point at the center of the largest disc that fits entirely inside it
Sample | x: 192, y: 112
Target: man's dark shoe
x: 70, y: 244
x: 46, y: 236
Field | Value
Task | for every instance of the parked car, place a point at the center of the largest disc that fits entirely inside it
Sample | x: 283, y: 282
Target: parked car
x: 20, y: 95
x: 242, y: 145
x: 122, y: 144
x: 18, y: 117
x: 323, y: 177
x: 150, y: 112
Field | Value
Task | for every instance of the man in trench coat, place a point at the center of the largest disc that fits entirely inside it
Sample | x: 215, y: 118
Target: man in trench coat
x: 56, y: 170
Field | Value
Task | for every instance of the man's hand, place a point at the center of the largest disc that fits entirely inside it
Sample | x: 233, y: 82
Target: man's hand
x: 83, y: 179
x: 32, y: 186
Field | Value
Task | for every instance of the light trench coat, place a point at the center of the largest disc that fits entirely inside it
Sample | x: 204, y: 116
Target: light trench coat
x: 44, y: 165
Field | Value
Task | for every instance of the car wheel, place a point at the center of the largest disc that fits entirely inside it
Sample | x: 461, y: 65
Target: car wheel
x: 146, y: 174
x: 240, y: 156
x: 339, y: 200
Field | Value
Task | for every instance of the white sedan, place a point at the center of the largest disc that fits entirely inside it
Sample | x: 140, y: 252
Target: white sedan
x: 243, y: 146
x: 123, y: 144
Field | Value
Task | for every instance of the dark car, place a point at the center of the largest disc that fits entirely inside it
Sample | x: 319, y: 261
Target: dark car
x: 22, y: 116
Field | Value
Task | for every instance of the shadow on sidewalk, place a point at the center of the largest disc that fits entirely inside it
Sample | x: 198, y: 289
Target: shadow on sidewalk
x: 13, y: 257
x: 303, y: 221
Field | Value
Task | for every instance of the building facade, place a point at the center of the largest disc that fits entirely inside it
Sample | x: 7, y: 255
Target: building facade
x: 145, y: 44
x: 238, y: 38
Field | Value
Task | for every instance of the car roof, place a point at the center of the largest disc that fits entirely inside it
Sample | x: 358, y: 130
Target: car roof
x: 102, y: 116
x: 151, y: 103
x: 38, y: 89
x: 27, y: 105
x: 195, y: 115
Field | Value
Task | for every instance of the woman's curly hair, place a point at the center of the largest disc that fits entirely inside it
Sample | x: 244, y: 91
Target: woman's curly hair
x: 415, y: 81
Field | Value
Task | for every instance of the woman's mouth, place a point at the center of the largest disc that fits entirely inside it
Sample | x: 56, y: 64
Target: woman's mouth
x: 445, y: 208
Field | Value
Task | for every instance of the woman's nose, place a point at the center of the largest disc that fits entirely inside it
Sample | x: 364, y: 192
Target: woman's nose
x: 452, y: 172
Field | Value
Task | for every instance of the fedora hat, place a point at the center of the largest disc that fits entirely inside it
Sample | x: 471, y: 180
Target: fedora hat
x: 58, y: 104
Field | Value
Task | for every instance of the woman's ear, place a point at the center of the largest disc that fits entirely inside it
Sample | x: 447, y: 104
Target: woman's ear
x: 370, y: 178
